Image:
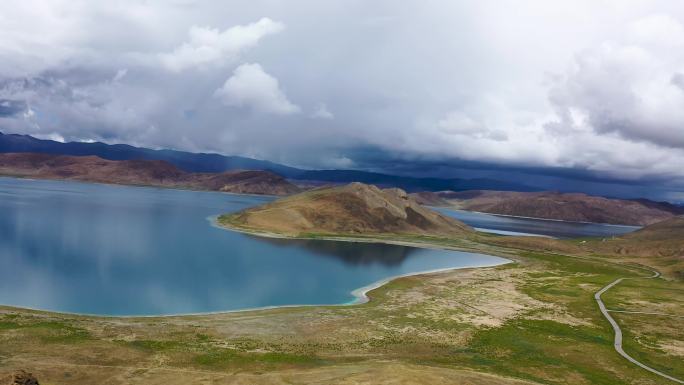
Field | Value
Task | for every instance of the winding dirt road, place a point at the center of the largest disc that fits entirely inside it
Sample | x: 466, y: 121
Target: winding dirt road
x: 618, y: 332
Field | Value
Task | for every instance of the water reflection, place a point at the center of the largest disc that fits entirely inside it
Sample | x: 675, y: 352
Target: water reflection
x: 117, y: 250
x: 348, y: 252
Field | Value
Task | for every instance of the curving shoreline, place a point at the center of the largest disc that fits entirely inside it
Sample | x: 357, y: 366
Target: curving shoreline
x: 360, y: 298
x: 360, y: 294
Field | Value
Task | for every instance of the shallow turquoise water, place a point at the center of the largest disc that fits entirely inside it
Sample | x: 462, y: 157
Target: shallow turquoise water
x: 116, y: 250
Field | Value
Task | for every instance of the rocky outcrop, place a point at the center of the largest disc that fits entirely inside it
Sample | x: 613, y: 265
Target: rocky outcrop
x: 20, y: 377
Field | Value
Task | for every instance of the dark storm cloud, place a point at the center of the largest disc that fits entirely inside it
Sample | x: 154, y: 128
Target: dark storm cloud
x: 376, y: 159
x: 448, y: 85
x: 11, y: 108
x: 546, y: 178
x: 678, y: 80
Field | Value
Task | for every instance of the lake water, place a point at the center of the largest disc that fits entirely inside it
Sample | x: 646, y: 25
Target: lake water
x: 116, y: 250
x: 506, y: 225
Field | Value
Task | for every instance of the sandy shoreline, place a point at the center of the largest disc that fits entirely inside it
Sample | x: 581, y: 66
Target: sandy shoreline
x: 361, y: 293
x: 360, y: 297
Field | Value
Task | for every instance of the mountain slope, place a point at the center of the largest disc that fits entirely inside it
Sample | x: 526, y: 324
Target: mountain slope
x: 406, y: 182
x: 660, y: 245
x: 202, y: 162
x: 140, y: 172
x: 429, y: 198
x: 186, y: 161
x: 664, y: 238
x: 355, y: 208
x: 563, y: 206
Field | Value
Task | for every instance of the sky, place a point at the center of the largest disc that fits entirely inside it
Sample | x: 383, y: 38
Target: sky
x: 589, y: 90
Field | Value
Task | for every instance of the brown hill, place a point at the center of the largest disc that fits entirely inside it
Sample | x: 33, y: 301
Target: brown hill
x: 664, y: 239
x: 140, y: 172
x: 244, y: 182
x: 355, y: 208
x: 563, y: 206
x: 660, y: 246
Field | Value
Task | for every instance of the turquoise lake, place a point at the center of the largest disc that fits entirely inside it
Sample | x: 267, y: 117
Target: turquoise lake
x: 118, y: 250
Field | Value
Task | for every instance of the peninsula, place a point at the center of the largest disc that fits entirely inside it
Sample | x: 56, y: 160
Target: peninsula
x: 353, y: 209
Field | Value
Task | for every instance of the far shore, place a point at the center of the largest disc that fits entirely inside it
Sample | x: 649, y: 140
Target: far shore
x: 180, y: 188
x: 150, y: 186
x: 534, y: 218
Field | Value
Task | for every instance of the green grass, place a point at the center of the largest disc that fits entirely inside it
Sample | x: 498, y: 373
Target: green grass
x: 539, y: 349
x: 548, y: 351
x: 46, y: 331
x: 9, y: 325
x: 642, y: 335
x: 157, y: 345
x: 226, y: 358
x: 200, y: 352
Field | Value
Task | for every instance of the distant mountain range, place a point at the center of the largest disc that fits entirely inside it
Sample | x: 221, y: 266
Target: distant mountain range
x: 186, y: 161
x: 216, y: 163
x: 141, y: 172
x: 576, y: 207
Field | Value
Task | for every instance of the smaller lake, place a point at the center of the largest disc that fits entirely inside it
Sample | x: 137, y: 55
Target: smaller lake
x: 118, y: 250
x: 528, y: 226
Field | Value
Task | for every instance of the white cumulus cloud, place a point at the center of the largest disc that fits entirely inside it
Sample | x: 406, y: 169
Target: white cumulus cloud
x: 630, y: 88
x: 210, y: 46
x: 251, y: 87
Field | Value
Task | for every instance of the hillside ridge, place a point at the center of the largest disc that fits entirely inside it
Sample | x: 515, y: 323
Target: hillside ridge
x: 576, y: 207
x: 157, y: 173
x: 355, y: 208
x: 216, y: 163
